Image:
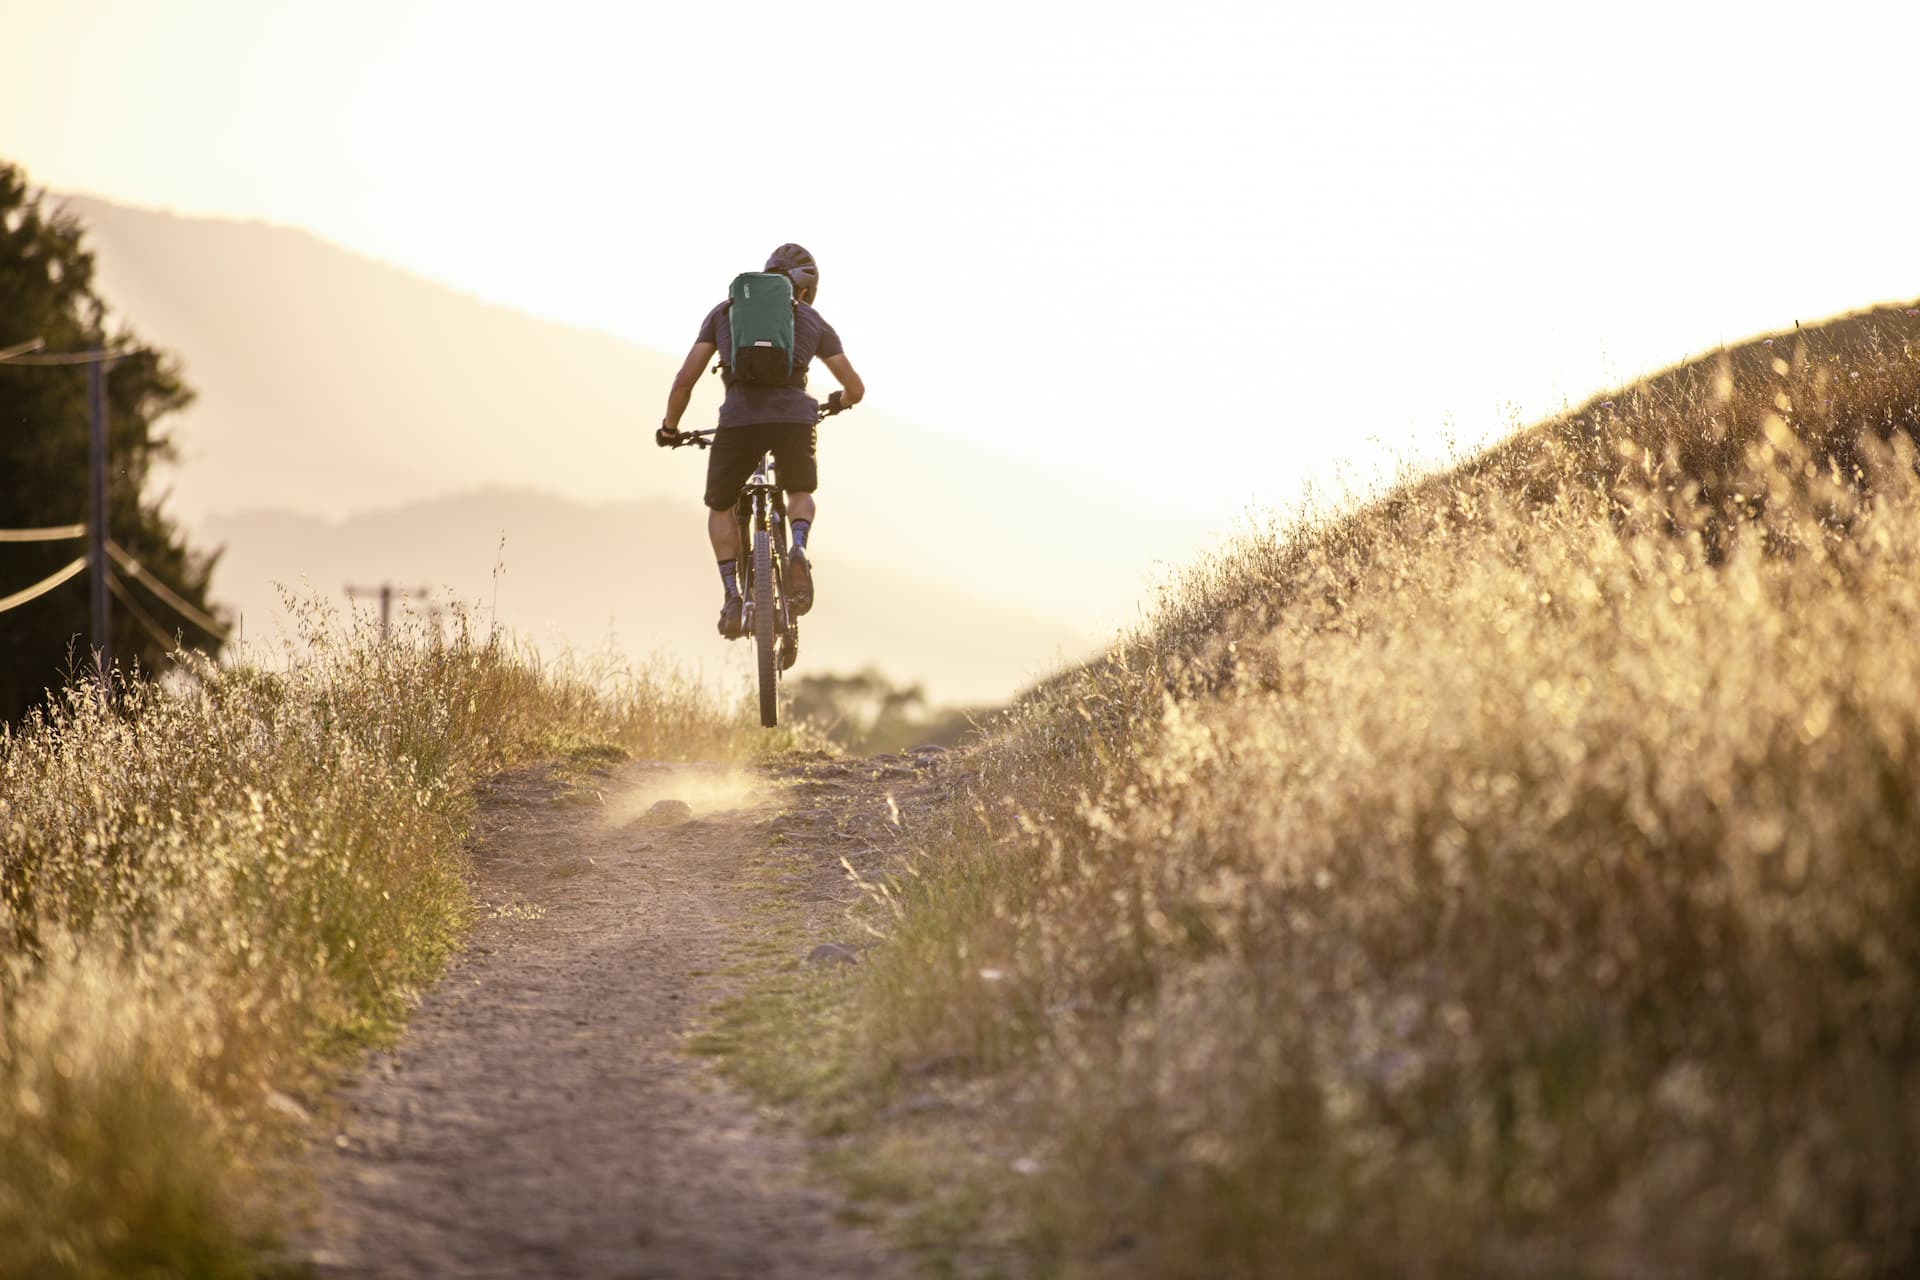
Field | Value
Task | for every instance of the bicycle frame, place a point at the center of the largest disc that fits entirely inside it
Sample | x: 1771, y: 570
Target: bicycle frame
x: 762, y: 505
x: 760, y: 516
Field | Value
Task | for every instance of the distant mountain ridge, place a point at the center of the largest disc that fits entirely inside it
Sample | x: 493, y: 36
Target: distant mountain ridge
x: 329, y: 382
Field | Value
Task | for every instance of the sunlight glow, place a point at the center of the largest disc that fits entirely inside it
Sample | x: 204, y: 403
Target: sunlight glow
x: 1289, y: 238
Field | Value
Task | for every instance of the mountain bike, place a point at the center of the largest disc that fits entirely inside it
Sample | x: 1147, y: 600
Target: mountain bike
x: 767, y: 616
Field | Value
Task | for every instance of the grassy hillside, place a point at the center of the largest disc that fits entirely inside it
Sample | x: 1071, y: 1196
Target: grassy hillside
x: 210, y: 895
x: 1518, y: 875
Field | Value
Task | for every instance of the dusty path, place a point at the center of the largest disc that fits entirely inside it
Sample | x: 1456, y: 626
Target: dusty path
x: 542, y: 1117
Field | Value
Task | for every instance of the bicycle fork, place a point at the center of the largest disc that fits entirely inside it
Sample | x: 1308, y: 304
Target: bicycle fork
x: 744, y: 519
x: 757, y: 510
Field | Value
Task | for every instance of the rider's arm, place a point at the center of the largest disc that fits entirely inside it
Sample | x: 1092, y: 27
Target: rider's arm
x: 842, y: 368
x: 685, y: 380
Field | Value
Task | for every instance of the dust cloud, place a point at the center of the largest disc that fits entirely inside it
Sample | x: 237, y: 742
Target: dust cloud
x: 703, y: 791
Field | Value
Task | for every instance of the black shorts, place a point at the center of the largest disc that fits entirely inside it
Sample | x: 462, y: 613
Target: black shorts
x: 737, y: 451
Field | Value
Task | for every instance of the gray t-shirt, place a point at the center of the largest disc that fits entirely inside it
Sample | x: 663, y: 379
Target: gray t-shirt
x: 749, y: 404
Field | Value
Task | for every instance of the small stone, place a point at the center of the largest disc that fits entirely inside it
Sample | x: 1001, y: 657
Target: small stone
x: 831, y: 953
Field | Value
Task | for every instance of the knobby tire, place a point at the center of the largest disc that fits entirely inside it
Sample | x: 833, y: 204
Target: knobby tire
x: 766, y: 628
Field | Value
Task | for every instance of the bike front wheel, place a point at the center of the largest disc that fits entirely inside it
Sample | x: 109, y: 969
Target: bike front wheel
x: 766, y: 629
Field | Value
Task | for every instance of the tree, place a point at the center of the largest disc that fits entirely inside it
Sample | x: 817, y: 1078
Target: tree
x: 867, y: 712
x: 46, y: 292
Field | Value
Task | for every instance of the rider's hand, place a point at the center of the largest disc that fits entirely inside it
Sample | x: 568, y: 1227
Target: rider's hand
x: 666, y: 437
x: 837, y: 402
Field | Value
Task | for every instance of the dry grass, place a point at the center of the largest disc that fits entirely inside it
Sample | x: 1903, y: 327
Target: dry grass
x: 210, y: 894
x: 1519, y: 875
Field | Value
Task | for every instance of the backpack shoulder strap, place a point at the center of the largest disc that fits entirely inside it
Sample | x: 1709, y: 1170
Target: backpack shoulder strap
x: 720, y: 363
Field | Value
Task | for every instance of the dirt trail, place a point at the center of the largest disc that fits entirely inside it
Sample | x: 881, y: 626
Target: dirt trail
x: 541, y: 1117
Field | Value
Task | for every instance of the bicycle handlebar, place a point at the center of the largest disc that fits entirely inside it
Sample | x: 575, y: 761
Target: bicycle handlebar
x: 704, y: 439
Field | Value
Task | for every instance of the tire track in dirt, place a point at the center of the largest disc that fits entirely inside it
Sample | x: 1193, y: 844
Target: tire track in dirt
x: 541, y: 1116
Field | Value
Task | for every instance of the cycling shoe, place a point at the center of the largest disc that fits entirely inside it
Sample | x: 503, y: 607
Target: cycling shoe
x: 800, y: 582
x: 731, y: 614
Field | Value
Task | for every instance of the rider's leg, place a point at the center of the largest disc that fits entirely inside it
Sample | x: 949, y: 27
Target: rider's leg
x: 799, y: 567
x: 795, y: 462
x: 724, y: 534
x: 800, y: 518
x: 735, y: 453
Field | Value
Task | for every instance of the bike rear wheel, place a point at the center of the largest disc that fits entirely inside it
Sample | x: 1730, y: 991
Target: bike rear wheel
x: 766, y: 629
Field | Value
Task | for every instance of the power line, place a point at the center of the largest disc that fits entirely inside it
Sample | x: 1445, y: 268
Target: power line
x: 50, y: 533
x: 140, y: 574
x: 168, y: 643
x: 105, y: 582
x: 70, y: 357
x: 97, y: 361
x: 43, y: 586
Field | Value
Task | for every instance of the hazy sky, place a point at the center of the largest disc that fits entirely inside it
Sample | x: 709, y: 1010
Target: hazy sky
x: 1210, y: 248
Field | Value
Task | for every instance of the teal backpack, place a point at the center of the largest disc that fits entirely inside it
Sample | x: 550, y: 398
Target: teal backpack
x: 760, y: 313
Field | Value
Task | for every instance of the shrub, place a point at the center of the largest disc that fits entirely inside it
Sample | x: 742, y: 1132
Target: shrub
x: 211, y: 890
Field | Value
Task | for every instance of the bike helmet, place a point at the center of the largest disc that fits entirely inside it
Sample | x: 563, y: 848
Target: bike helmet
x: 797, y: 265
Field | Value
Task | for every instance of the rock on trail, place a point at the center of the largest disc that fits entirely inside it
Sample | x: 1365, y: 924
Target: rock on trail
x: 541, y: 1116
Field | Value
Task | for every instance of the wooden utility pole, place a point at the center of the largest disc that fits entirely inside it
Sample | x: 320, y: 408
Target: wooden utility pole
x: 386, y: 591
x: 97, y: 515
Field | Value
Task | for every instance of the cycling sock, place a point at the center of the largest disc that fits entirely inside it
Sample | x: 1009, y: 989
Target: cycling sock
x: 800, y: 528
x: 730, y: 577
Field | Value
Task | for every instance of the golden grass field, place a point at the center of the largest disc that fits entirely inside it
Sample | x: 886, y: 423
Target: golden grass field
x: 213, y: 896
x: 1518, y: 874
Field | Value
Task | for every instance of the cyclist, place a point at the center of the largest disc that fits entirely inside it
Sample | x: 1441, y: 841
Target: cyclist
x: 754, y: 419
